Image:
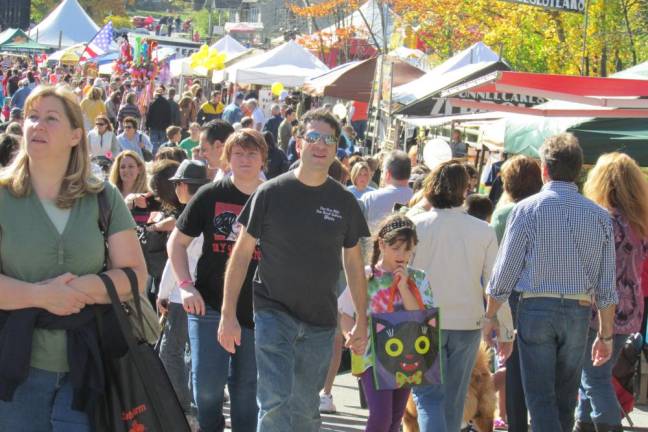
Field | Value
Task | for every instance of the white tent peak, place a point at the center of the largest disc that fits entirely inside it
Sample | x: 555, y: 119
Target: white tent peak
x: 71, y: 19
x: 229, y: 46
x: 289, y: 64
x: 371, y: 11
x: 477, y: 53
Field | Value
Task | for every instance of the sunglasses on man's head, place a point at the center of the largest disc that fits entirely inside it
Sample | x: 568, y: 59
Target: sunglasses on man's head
x: 100, y: 124
x: 312, y: 137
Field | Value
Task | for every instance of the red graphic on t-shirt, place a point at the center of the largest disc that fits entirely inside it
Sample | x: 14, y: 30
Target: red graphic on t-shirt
x: 227, y: 229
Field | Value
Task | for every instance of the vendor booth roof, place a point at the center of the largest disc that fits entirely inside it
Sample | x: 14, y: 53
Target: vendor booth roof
x: 419, y: 95
x: 69, y: 20
x: 229, y: 46
x: 477, y: 53
x: 350, y: 81
x: 28, y: 46
x: 13, y: 36
x: 289, y: 64
x: 367, y: 20
x: 626, y: 135
x: 600, y: 97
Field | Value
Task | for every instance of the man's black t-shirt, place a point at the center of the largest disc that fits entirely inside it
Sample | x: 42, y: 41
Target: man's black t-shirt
x: 212, y: 212
x: 302, y: 231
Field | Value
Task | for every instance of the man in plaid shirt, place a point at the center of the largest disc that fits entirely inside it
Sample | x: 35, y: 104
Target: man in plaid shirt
x: 558, y: 254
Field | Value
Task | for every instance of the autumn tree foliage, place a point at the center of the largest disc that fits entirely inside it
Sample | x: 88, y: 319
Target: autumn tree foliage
x: 530, y: 38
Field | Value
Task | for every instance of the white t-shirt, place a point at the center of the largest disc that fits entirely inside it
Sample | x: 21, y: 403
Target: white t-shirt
x: 168, y: 284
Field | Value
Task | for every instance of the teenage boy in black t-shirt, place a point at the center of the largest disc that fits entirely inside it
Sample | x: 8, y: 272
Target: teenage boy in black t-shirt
x: 213, y: 213
x: 304, y: 222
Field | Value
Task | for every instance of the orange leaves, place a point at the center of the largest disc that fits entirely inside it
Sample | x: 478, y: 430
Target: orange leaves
x: 317, y: 10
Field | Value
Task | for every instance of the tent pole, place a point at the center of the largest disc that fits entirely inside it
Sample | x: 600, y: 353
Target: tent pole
x: 60, y: 38
x: 585, y: 25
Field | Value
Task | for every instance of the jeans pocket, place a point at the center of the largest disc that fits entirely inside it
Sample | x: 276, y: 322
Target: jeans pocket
x: 534, y: 326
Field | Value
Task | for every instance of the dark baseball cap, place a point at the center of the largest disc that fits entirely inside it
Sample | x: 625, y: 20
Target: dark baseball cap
x: 191, y: 171
x: 16, y: 112
x: 240, y: 95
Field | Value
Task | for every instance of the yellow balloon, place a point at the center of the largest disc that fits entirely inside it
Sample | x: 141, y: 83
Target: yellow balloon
x: 277, y: 88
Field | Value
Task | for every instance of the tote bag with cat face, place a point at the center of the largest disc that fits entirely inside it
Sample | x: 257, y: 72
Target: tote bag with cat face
x: 406, y: 345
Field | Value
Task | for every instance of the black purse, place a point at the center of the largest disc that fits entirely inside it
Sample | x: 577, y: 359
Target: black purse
x: 139, y: 395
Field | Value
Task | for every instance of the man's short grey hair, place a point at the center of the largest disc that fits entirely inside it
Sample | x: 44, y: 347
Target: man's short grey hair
x: 275, y: 108
x: 252, y: 102
x: 563, y: 157
x: 398, y: 164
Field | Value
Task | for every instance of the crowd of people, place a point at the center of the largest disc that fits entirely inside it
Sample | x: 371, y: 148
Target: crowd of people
x: 267, y: 244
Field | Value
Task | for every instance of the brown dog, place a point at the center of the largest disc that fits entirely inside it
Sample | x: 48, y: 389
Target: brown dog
x: 480, y: 399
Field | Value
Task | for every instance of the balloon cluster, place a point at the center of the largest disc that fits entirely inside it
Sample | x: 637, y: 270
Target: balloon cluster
x: 138, y: 59
x: 208, y: 58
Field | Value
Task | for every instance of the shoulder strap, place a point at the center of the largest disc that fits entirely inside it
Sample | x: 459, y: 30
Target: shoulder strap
x: 105, y: 212
x: 122, y: 321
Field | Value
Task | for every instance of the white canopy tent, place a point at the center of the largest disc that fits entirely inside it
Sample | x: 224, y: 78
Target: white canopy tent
x: 67, y: 23
x: 229, y: 46
x: 477, y: 53
x: 289, y: 64
x: 369, y: 11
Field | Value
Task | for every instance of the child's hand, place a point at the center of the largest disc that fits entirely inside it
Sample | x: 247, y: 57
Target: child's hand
x: 400, y: 275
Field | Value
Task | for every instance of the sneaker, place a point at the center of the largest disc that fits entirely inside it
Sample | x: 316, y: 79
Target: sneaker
x: 326, y: 405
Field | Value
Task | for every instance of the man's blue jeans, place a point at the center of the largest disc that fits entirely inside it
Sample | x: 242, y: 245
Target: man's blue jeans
x: 213, y: 367
x: 158, y: 137
x: 292, y: 359
x: 597, y: 400
x: 440, y: 407
x: 552, y: 339
x: 43, y: 404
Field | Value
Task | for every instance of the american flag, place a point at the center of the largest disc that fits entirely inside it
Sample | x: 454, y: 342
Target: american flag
x: 100, y: 44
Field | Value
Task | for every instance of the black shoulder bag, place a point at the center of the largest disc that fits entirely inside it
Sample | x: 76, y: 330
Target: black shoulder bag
x: 146, y: 322
x: 139, y: 395
x: 147, y: 155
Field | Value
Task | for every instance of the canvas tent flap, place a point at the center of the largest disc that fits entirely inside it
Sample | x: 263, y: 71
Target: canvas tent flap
x: 350, y: 81
x: 289, y: 64
x: 420, y: 97
x: 624, y: 135
x: 68, y: 20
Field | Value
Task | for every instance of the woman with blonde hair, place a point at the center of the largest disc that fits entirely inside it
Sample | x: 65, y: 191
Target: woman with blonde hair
x: 617, y: 184
x: 360, y: 177
x: 92, y: 105
x: 128, y: 174
x: 52, y: 250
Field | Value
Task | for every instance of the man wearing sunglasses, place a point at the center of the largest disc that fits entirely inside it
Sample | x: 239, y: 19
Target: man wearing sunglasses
x: 306, y: 224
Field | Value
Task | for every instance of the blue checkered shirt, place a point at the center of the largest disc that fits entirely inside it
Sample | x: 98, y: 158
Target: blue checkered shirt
x: 557, y: 242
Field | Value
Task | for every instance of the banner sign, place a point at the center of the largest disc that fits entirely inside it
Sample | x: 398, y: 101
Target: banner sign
x: 562, y: 5
x: 441, y: 107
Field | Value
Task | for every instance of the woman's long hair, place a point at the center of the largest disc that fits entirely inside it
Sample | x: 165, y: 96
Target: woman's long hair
x: 78, y: 179
x: 617, y: 183
x: 140, y: 185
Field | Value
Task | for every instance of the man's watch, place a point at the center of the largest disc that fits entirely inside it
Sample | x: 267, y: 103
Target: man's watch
x: 490, y: 319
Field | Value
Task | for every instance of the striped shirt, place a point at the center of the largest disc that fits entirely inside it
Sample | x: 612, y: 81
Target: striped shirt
x: 557, y: 242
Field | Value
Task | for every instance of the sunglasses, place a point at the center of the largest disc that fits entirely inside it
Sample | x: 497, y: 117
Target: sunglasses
x: 312, y: 137
x: 128, y: 127
x: 100, y: 124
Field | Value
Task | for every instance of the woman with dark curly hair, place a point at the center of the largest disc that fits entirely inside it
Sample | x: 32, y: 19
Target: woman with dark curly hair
x: 9, y: 145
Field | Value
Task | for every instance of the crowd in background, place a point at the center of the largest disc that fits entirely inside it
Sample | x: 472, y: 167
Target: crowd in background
x: 209, y: 200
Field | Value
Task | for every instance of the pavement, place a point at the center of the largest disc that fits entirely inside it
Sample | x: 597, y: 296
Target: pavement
x: 351, y: 417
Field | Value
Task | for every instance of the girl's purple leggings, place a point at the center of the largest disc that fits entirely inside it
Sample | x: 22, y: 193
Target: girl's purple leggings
x: 386, y: 407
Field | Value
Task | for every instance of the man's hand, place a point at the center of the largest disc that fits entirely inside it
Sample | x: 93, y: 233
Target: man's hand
x: 504, y: 350
x: 601, y: 352
x: 490, y: 325
x: 57, y: 297
x: 229, y: 333
x: 192, y: 301
x: 356, y: 339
